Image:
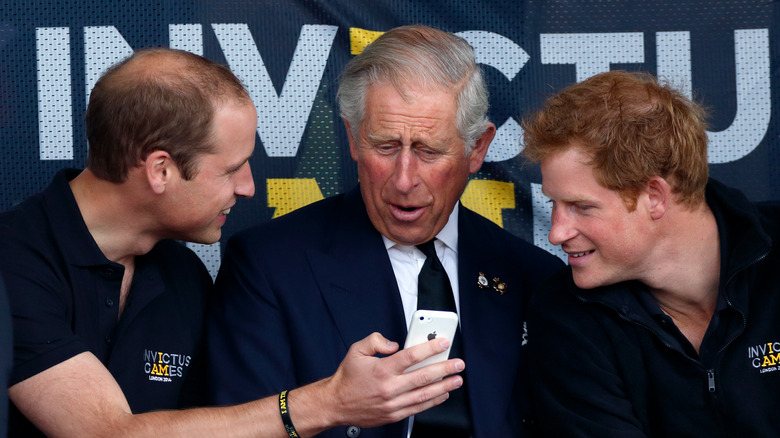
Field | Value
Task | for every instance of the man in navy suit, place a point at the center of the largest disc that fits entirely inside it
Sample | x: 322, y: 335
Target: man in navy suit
x: 294, y: 293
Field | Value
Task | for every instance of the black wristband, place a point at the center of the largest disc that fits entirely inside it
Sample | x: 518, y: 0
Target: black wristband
x: 288, y: 425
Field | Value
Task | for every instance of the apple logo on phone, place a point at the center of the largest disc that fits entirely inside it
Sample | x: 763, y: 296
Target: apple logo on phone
x: 431, y: 336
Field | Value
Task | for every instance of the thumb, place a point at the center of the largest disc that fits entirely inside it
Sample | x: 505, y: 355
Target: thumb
x: 373, y: 344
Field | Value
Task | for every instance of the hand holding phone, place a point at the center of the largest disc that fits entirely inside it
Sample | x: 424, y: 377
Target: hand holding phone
x: 427, y: 325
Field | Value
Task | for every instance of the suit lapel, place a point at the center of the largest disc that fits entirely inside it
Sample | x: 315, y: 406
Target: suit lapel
x: 491, y: 323
x: 356, y: 278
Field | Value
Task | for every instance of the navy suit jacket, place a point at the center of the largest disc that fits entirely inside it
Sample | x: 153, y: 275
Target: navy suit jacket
x: 294, y: 293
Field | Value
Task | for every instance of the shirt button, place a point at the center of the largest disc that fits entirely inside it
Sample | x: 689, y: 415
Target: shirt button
x: 353, y: 431
x: 108, y: 339
x: 109, y: 302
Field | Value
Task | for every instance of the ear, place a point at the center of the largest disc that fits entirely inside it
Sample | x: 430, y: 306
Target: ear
x: 659, y: 196
x: 160, y: 170
x: 353, y: 150
x: 478, y: 152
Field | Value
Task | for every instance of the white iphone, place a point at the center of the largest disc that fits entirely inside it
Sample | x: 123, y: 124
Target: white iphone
x: 427, y: 325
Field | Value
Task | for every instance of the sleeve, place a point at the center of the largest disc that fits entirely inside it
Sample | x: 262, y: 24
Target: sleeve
x: 249, y: 352
x: 577, y: 389
x: 41, y: 303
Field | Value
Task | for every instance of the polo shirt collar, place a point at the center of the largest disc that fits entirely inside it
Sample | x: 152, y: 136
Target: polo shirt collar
x: 80, y: 249
x: 65, y: 219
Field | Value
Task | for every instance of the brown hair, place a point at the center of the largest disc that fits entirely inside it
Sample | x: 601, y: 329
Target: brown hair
x: 632, y: 127
x: 157, y: 99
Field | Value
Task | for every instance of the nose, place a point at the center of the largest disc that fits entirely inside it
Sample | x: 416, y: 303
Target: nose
x: 406, y: 178
x: 245, y: 184
x: 562, y: 228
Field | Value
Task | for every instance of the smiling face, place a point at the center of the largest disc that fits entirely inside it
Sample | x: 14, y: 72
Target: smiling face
x: 411, y: 161
x: 605, y: 242
x: 200, y: 205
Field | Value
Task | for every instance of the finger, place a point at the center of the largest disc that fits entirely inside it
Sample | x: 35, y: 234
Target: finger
x: 434, y: 372
x: 435, y: 393
x: 373, y: 344
x: 412, y: 355
x: 426, y: 397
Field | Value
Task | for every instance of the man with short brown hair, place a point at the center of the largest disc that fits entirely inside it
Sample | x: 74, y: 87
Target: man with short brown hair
x: 665, y: 324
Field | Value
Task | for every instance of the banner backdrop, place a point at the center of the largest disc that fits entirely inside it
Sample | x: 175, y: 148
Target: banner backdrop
x: 289, y: 54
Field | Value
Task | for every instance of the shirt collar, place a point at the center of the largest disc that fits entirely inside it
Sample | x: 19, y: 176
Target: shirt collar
x: 68, y: 225
x: 448, y: 235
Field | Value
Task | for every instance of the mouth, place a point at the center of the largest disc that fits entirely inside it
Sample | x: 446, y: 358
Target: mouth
x: 577, y: 255
x: 225, y: 212
x: 406, y: 213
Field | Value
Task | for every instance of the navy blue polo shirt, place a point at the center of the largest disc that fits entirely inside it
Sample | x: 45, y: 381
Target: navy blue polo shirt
x: 64, y: 297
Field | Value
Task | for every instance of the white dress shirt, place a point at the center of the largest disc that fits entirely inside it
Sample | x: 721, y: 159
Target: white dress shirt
x: 407, y: 262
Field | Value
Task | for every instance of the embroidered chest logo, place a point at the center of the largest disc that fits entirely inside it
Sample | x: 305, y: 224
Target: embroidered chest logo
x: 765, y: 357
x: 164, y: 367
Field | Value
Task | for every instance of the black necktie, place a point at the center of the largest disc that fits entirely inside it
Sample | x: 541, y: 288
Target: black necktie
x: 434, y: 292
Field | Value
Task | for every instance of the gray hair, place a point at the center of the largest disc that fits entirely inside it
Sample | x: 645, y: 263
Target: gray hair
x: 423, y: 55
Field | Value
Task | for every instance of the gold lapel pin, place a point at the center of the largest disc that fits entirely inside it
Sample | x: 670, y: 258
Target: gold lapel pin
x: 499, y: 286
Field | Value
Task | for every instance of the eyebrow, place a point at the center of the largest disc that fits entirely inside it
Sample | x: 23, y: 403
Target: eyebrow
x: 378, y: 139
x: 235, y: 168
x: 374, y: 138
x: 575, y: 198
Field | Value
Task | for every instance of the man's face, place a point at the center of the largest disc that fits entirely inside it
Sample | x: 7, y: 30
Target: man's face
x: 605, y: 242
x: 411, y: 161
x: 200, y: 205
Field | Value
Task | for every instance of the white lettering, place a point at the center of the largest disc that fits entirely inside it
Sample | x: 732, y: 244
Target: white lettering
x: 104, y: 46
x: 55, y: 108
x: 592, y: 53
x: 754, y: 105
x: 160, y: 379
x: 508, y: 58
x: 758, y: 350
x: 673, y: 56
x: 187, y: 37
x: 281, y: 118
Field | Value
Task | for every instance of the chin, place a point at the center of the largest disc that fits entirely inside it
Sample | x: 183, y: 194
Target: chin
x: 204, y: 239
x: 583, y: 282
